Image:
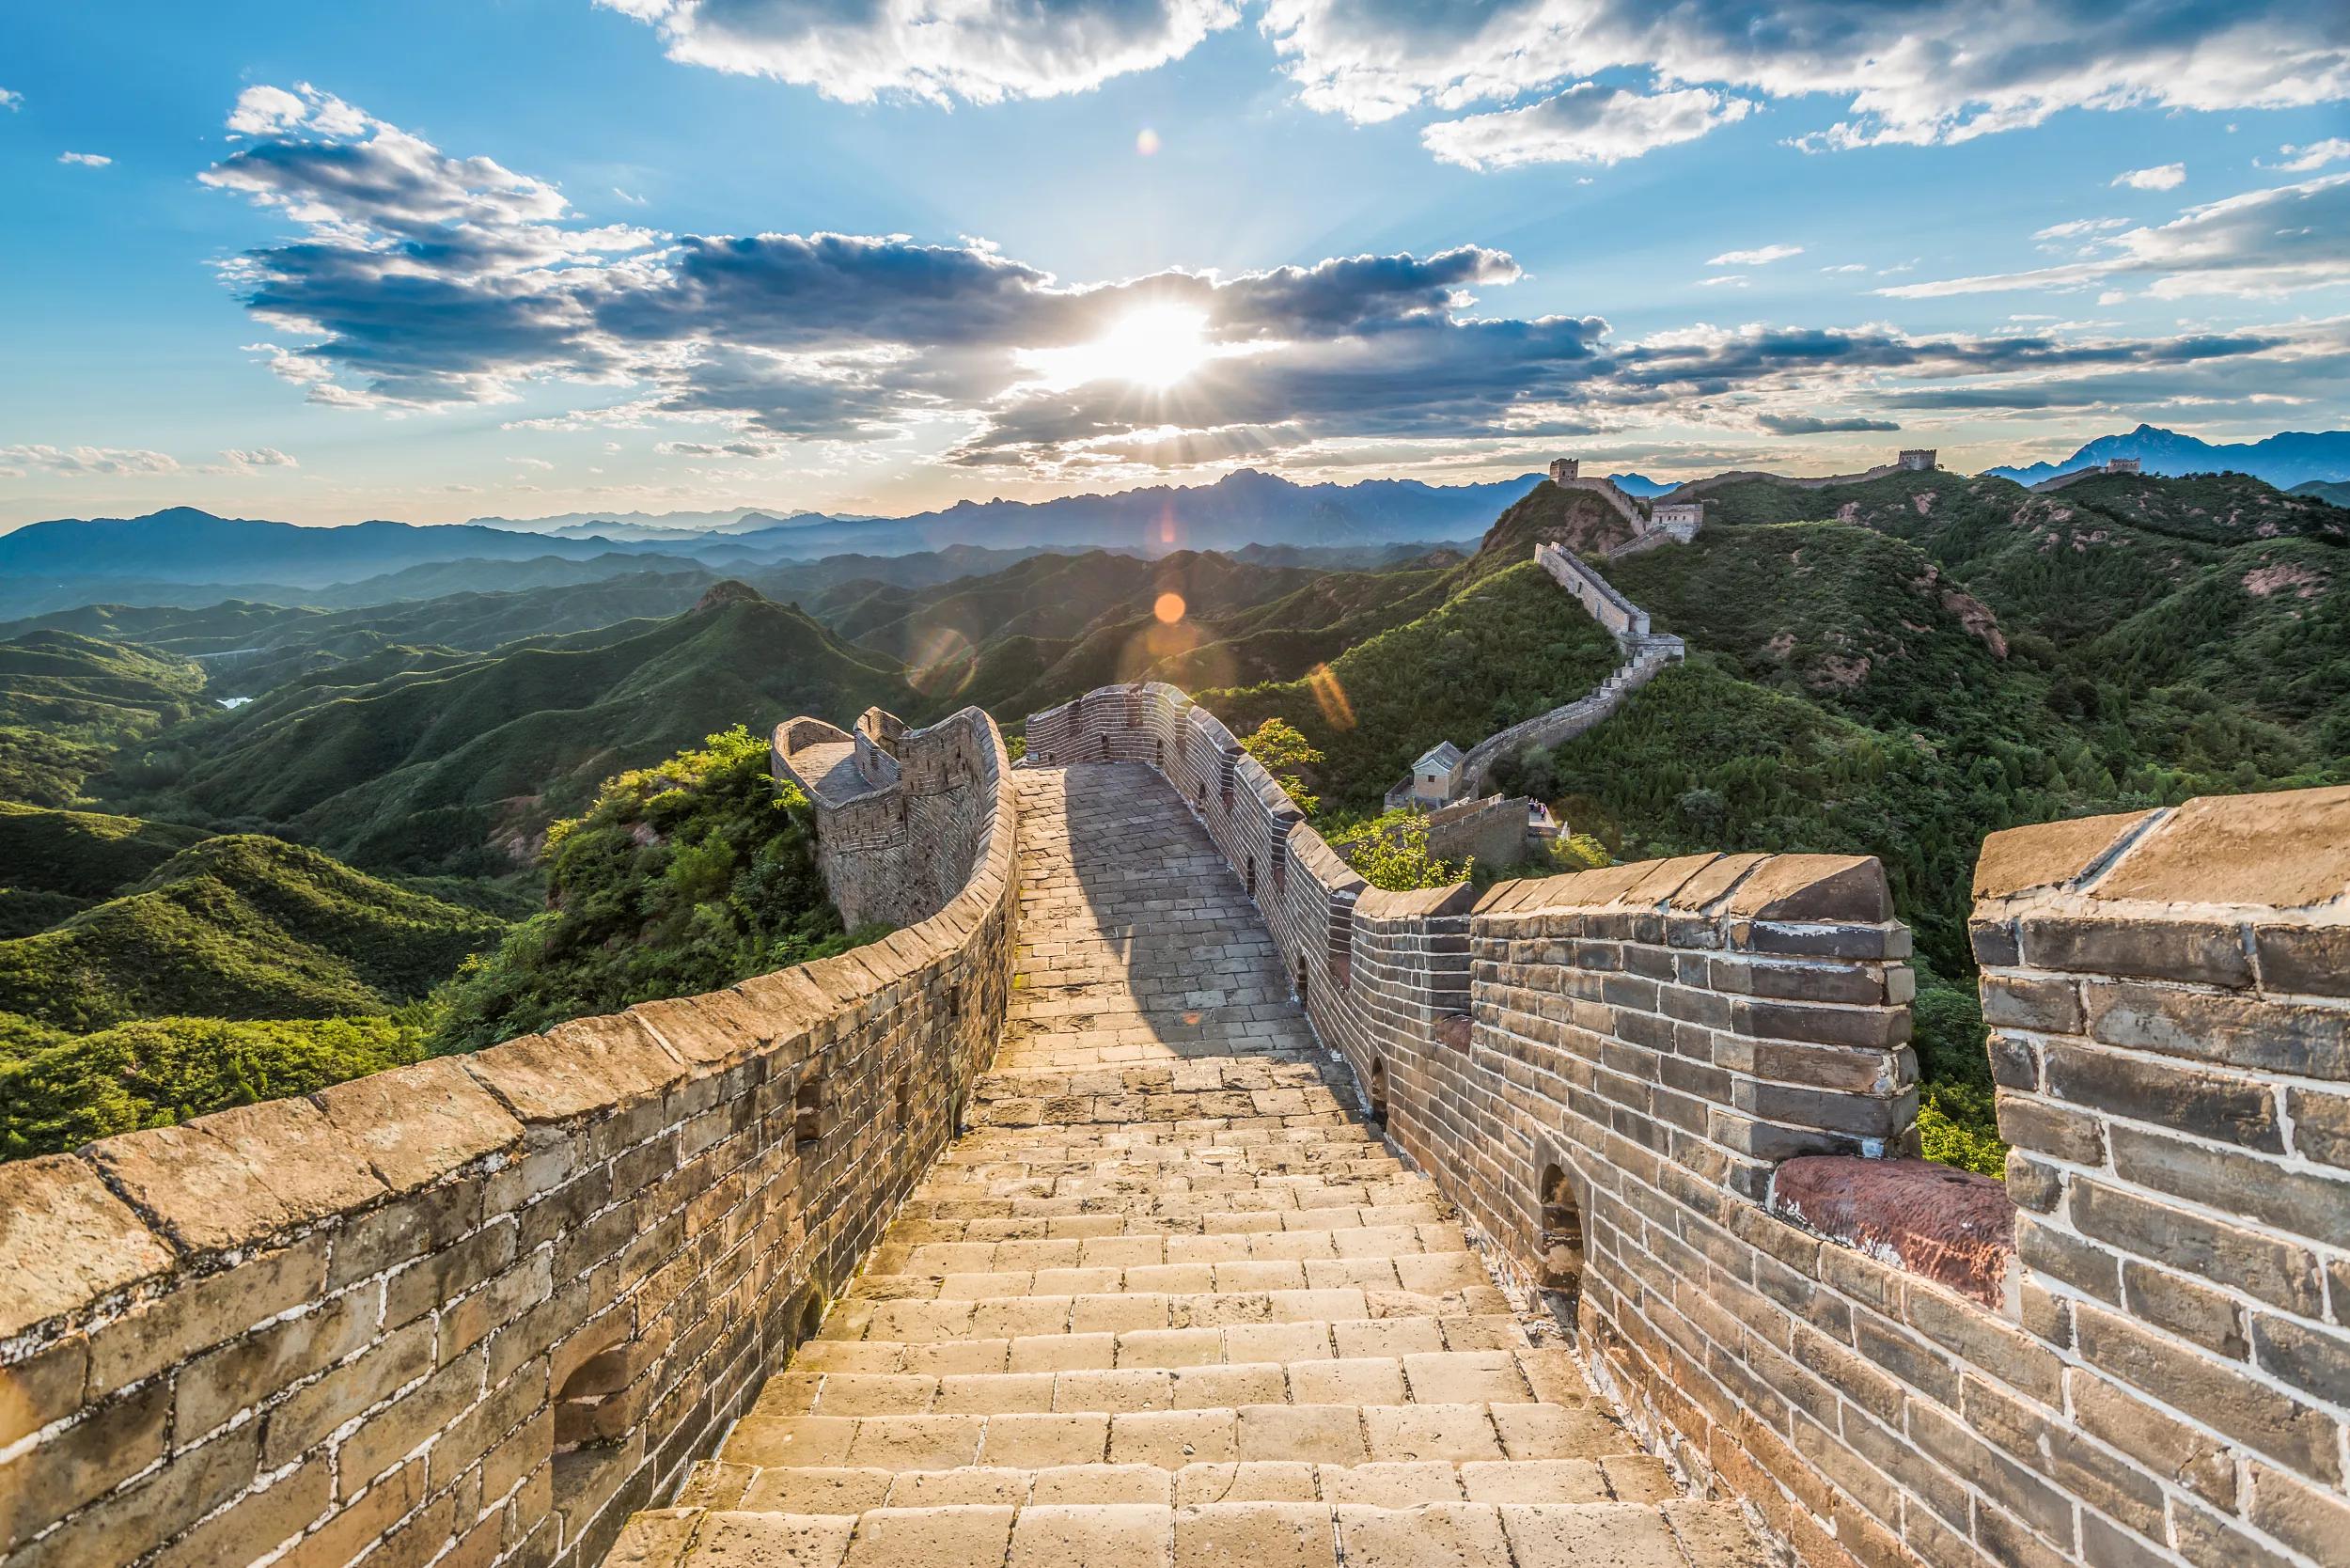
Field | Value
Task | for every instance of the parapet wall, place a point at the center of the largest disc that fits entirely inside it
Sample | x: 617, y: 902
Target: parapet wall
x: 478, y: 1309
x: 1621, y: 616
x: 895, y: 810
x: 1678, y: 1097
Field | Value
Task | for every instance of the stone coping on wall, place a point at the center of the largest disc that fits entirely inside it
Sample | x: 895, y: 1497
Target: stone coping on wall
x: 279, y: 1268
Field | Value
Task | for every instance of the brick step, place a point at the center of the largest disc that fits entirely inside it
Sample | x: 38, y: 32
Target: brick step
x: 1178, y: 1213
x: 1316, y: 1340
x: 1205, y: 1153
x: 1144, y: 1179
x: 1111, y: 1313
x: 839, y: 1489
x: 1171, y: 1439
x: 1240, y: 1075
x: 1434, y: 1377
x: 1272, y: 1107
x: 942, y: 1257
x: 1149, y: 1535
x: 976, y: 1143
x: 1424, y: 1272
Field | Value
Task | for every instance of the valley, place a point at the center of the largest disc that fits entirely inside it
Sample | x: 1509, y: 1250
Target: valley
x: 466, y: 799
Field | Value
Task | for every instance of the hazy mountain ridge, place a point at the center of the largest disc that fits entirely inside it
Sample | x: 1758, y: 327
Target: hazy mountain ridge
x: 2284, y: 460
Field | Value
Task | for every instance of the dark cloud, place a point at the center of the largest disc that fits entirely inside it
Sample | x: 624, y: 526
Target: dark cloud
x: 1807, y: 424
x: 420, y: 279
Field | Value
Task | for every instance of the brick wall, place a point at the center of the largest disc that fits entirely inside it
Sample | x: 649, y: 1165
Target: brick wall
x: 477, y: 1310
x: 1679, y: 1096
x: 894, y: 845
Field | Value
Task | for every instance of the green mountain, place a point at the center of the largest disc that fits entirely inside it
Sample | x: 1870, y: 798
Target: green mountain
x: 66, y: 700
x: 2333, y: 492
x: 55, y: 864
x: 239, y: 926
x: 446, y: 762
x: 1503, y: 644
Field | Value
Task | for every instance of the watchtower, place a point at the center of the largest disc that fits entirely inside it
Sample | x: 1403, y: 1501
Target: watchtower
x: 1919, y: 460
x: 1563, y: 470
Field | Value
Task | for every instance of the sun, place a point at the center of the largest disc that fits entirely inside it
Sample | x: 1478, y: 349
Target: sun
x: 1154, y: 346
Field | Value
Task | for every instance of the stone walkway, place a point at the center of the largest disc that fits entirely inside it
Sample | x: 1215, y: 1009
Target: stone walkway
x: 1170, y: 1302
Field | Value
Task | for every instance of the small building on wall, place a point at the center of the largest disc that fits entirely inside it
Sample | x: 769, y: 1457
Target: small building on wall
x: 1919, y: 460
x: 1679, y: 518
x: 1435, y: 778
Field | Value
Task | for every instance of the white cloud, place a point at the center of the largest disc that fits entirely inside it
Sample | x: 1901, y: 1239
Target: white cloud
x: 75, y: 461
x: 1847, y: 267
x: 1758, y: 257
x: 2314, y: 155
x: 11, y: 101
x: 416, y: 278
x: 977, y: 51
x: 2259, y: 242
x: 1909, y: 71
x: 259, y: 457
x: 1725, y: 280
x: 262, y: 110
x: 2080, y: 228
x: 2162, y: 177
x: 2112, y: 296
x: 1585, y: 124
x: 631, y: 200
x: 541, y: 464
x: 87, y: 159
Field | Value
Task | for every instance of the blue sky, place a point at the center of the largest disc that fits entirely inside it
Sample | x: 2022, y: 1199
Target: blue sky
x: 436, y: 261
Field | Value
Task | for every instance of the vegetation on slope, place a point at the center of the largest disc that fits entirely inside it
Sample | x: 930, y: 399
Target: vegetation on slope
x: 459, y: 769
x: 1506, y: 647
x: 239, y: 926
x: 681, y: 878
x: 54, y: 864
x: 58, y: 1091
x: 66, y: 701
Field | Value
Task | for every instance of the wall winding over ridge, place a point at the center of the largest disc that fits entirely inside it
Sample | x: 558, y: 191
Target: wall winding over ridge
x: 478, y: 1309
x: 1679, y: 1094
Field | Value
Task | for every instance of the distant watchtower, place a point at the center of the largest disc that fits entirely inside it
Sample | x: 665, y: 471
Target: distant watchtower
x: 1919, y: 460
x: 2123, y: 465
x: 1679, y: 519
x: 1565, y: 470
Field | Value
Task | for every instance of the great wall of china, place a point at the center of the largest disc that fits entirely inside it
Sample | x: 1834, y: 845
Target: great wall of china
x: 1123, y: 1205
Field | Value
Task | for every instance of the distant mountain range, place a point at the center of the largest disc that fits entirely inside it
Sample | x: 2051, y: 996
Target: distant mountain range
x: 2284, y: 460
x: 79, y: 558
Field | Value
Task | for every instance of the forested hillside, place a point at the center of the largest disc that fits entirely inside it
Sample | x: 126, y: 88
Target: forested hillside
x: 459, y: 763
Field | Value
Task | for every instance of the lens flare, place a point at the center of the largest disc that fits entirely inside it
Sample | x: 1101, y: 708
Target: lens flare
x: 1169, y: 608
x: 1146, y: 142
x: 1330, y: 697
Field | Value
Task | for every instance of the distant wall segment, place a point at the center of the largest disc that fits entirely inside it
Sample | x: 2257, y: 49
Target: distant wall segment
x: 478, y: 1309
x: 1679, y: 1097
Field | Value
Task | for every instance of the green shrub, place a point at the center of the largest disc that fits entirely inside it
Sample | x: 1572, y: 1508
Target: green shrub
x: 59, y: 1092
x: 681, y: 878
x: 1391, y: 852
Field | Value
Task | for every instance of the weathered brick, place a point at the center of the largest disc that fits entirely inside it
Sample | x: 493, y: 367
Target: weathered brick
x: 2046, y: 1005
x: 204, y: 1312
x: 257, y: 1523
x: 2252, y: 1032
x: 2294, y: 1434
x: 2321, y: 1126
x: 2268, y: 1266
x: 249, y: 1371
x: 2211, y: 1104
x: 43, y: 1387
x: 2187, y: 1309
x: 40, y: 1485
x: 2296, y: 1203
x: 2171, y: 950
x: 2308, y: 960
x: 68, y: 1241
x: 2030, y: 1122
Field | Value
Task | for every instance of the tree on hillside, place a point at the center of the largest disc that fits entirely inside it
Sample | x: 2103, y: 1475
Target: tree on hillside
x: 1285, y: 753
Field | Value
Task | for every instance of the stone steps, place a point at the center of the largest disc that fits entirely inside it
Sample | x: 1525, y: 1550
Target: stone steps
x: 1147, y: 1535
x: 1403, y: 1483
x: 1235, y: 1344
x: 1016, y: 1317
x: 1345, y: 1433
x: 1428, y: 1377
x: 1169, y: 1301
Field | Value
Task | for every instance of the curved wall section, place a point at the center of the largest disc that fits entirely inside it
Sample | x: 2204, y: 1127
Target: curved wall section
x: 478, y: 1309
